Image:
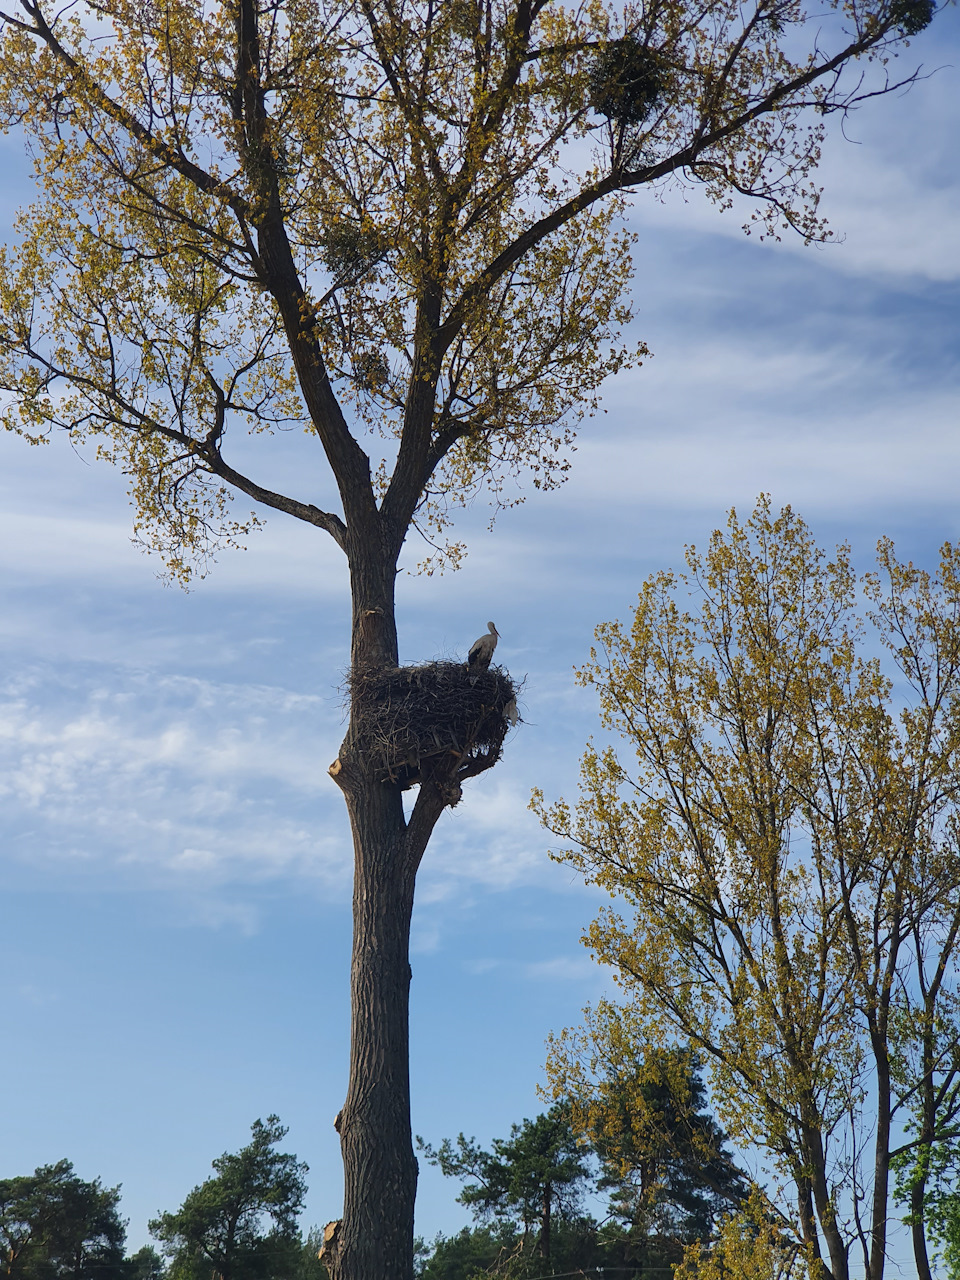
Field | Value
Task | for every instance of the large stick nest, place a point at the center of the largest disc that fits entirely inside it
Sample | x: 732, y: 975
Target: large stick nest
x: 434, y: 720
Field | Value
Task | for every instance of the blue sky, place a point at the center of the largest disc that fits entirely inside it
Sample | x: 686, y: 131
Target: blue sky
x: 175, y: 863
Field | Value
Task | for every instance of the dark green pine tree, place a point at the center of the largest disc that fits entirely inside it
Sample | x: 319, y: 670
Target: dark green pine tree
x: 146, y: 1264
x: 473, y: 1251
x: 664, y: 1159
x: 56, y: 1226
x: 242, y: 1224
x: 533, y: 1180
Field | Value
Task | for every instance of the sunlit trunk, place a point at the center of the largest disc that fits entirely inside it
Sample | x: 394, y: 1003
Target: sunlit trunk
x: 545, y: 1229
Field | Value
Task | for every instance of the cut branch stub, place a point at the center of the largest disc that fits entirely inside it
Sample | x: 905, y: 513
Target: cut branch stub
x: 328, y: 1249
x: 436, y: 721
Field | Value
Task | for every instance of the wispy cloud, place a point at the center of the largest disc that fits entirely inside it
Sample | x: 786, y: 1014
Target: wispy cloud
x: 179, y: 782
x: 564, y: 969
x: 889, y: 177
x: 168, y: 778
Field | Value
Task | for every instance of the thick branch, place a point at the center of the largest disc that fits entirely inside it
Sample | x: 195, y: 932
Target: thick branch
x: 305, y: 511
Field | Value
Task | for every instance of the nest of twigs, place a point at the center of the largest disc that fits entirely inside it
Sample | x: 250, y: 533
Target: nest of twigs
x: 437, y: 719
x: 628, y: 77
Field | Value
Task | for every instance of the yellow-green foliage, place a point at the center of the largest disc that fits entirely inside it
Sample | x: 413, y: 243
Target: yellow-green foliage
x: 780, y: 832
x: 265, y: 217
x: 749, y: 1246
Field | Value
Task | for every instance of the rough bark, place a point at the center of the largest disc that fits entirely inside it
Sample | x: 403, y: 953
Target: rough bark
x: 918, y: 1230
x: 380, y: 1169
x: 374, y: 1239
x: 826, y: 1213
x: 881, y: 1171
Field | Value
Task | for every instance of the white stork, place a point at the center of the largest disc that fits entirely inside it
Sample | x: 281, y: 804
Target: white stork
x: 481, y: 651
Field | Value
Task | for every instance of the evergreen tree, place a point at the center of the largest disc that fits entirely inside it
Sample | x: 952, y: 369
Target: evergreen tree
x: 474, y: 1250
x: 56, y: 1226
x: 146, y: 1264
x: 242, y: 1224
x: 664, y: 1159
x: 661, y: 1156
x: 529, y: 1180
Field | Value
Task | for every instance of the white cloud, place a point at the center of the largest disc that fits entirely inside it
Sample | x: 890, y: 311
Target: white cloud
x: 802, y: 423
x: 213, y: 913
x: 175, y: 781
x: 490, y: 841
x: 564, y: 969
x: 170, y: 778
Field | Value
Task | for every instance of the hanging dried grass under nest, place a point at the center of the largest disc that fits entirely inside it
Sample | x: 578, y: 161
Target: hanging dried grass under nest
x: 434, y: 719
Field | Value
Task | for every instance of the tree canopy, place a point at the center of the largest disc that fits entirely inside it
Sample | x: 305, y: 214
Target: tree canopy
x: 782, y: 835
x: 376, y: 223
x: 645, y: 1139
x: 534, y: 1176
x: 56, y: 1226
x: 241, y: 1224
x: 664, y: 1159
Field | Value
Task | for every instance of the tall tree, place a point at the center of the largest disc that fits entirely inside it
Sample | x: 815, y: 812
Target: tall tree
x: 786, y: 839
x: 56, y: 1226
x: 391, y: 225
x: 241, y: 1224
x: 146, y: 1264
x: 642, y: 1135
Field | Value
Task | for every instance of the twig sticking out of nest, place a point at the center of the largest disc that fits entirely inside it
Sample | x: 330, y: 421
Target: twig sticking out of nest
x: 434, y: 721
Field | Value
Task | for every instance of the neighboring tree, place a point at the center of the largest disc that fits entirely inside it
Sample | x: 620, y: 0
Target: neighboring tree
x: 944, y: 1218
x: 749, y: 1245
x: 786, y: 842
x: 146, y: 1264
x: 663, y: 1157
x: 503, y: 1251
x: 393, y: 227
x: 56, y: 1226
x: 242, y: 1224
x: 309, y: 1266
x: 532, y: 1179
x: 928, y: 1053
x: 927, y: 1177
x: 471, y: 1252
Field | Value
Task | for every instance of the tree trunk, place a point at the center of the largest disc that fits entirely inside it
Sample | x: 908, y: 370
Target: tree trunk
x: 881, y: 1170
x: 374, y: 1239
x: 918, y: 1230
x: 812, y: 1140
x: 918, y: 1189
x: 545, y: 1225
x: 808, y: 1222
